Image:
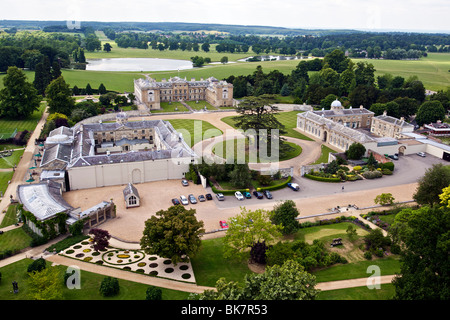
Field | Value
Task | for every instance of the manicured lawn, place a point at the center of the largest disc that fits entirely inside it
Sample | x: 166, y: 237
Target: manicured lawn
x: 324, y: 154
x: 9, y: 125
x: 288, y: 118
x: 14, y: 239
x: 90, y: 284
x: 10, y: 216
x: 4, y: 178
x: 386, y: 292
x: 11, y: 161
x: 195, y: 130
x: 388, y: 266
x: 200, y: 105
x: 175, y: 106
x: 431, y: 70
x: 209, y: 264
x: 232, y: 149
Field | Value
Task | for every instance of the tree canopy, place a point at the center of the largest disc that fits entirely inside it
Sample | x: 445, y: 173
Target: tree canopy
x: 173, y: 233
x: 18, y: 98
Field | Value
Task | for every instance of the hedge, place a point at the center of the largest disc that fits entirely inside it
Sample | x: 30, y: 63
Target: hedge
x: 231, y: 192
x: 226, y: 192
x: 277, y: 186
x: 324, y: 179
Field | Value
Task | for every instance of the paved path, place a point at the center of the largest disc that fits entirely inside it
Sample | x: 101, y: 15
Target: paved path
x: 23, y: 166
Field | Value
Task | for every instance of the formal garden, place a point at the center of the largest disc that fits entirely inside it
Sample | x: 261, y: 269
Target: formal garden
x: 130, y: 260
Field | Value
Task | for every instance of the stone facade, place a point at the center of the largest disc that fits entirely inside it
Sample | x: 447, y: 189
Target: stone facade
x: 352, y: 117
x: 106, y: 154
x: 151, y: 93
x: 387, y: 126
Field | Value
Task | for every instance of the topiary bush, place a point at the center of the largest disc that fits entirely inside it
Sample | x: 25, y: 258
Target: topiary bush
x: 153, y: 293
x: 37, y: 265
x: 109, y: 287
x: 372, y: 174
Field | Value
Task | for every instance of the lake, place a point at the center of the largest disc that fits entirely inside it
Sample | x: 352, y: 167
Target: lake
x: 137, y: 64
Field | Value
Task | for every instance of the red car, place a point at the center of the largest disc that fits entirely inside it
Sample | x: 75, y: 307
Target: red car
x: 223, y: 224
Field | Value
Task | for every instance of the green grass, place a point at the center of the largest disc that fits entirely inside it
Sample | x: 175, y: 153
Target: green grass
x: 197, y: 130
x: 230, y: 150
x: 386, y: 292
x: 388, y: 266
x: 324, y: 154
x: 209, y: 265
x: 11, y: 161
x: 14, y: 239
x: 117, y: 52
x: 200, y: 105
x: 10, y: 216
x: 4, y: 178
x: 90, y: 284
x: 432, y: 70
x: 9, y: 125
x: 287, y: 118
x: 175, y: 106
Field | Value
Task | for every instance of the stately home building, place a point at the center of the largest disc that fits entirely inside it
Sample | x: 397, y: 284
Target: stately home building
x: 151, y: 93
x: 118, y: 153
x: 387, y: 126
x: 351, y: 117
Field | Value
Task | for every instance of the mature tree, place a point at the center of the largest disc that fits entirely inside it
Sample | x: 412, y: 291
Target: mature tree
x: 100, y: 239
x: 56, y: 70
x: 18, y: 98
x: 431, y: 184
x: 364, y: 74
x: 430, y: 111
x: 173, y: 233
x: 59, y: 97
x: 247, y: 229
x: 89, y: 90
x: 109, y: 287
x: 284, y: 213
x: 384, y: 199
x: 363, y: 95
x: 407, y: 106
x: 258, y: 114
x: 45, y: 284
x: 224, y: 60
x: 425, y: 262
x: 93, y: 43
x: 326, y: 102
x: 355, y: 151
x: 153, y: 293
x: 205, y: 46
x: 102, y: 89
x: 107, y: 47
x: 240, y: 177
x: 289, y: 281
x: 197, y: 61
x: 347, y: 80
x: 336, y: 60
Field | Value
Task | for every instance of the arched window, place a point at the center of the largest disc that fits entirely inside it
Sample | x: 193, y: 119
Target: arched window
x: 132, y: 200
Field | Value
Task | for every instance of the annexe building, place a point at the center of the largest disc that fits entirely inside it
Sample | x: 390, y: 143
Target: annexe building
x: 107, y: 154
x: 151, y: 92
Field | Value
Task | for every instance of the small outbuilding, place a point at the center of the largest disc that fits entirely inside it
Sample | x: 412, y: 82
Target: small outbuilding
x: 131, y: 196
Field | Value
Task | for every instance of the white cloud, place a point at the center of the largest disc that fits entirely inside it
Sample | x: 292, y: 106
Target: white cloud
x: 310, y: 14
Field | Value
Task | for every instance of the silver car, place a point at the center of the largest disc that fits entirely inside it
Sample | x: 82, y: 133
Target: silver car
x: 184, y: 200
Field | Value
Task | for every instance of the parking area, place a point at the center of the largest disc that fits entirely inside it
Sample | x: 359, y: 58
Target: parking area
x: 314, y: 197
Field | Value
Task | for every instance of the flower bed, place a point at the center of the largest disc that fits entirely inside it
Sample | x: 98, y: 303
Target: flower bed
x: 131, y: 260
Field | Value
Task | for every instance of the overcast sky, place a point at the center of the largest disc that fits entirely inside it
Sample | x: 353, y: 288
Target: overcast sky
x: 373, y: 15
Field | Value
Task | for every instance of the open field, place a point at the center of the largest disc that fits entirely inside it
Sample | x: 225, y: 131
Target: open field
x: 432, y: 70
x: 9, y: 125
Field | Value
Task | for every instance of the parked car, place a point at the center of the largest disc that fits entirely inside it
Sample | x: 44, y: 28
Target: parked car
x: 393, y: 157
x: 208, y: 196
x: 422, y: 154
x: 184, y: 182
x: 175, y: 201
x: 267, y: 194
x: 184, y: 200
x: 192, y: 199
x: 258, y: 194
x: 248, y: 195
x: 223, y: 224
x: 201, y: 198
x: 293, y: 186
x: 220, y: 197
x: 239, y: 195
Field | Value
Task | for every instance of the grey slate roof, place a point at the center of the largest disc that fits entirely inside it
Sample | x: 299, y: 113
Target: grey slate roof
x: 130, y: 190
x: 395, y: 121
